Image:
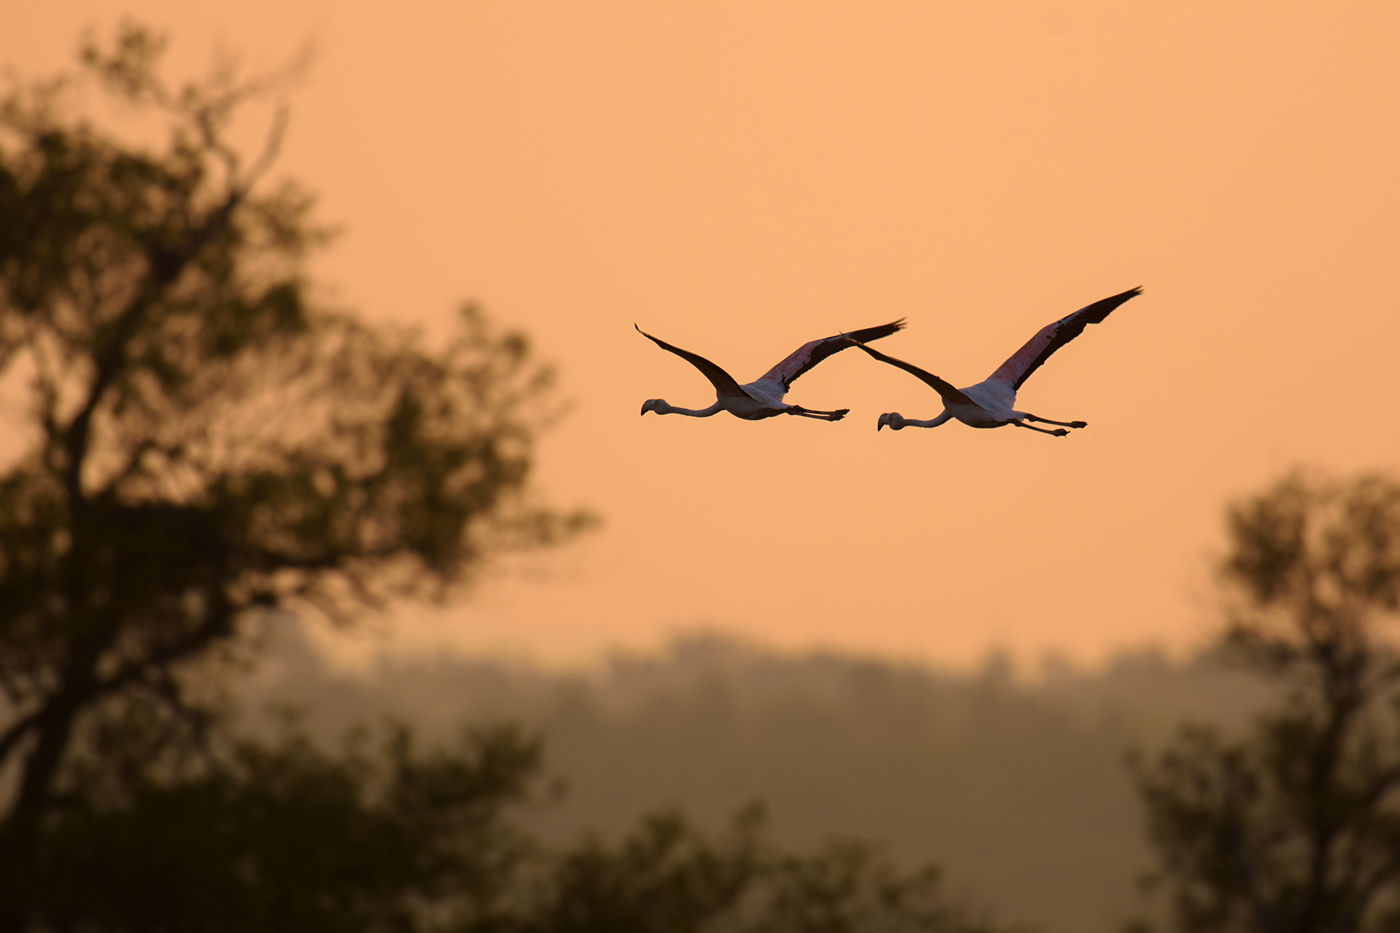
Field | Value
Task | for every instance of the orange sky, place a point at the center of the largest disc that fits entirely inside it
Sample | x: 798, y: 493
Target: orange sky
x: 739, y: 178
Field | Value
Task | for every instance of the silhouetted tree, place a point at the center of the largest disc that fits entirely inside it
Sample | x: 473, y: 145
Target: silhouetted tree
x: 1295, y: 828
x: 284, y: 836
x: 666, y: 877
x: 202, y: 446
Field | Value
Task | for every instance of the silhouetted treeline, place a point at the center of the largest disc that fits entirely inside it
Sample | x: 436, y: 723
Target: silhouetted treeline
x: 1018, y: 788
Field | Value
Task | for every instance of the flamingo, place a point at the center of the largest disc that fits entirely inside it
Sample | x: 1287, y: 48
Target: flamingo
x: 989, y: 404
x: 763, y: 398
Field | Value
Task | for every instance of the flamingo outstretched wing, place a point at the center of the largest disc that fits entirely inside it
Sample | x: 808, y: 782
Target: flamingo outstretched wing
x: 813, y: 352
x: 1051, y: 337
x: 725, y: 384
x: 950, y: 394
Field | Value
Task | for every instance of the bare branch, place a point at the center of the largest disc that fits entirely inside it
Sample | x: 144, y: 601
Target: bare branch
x: 271, y: 147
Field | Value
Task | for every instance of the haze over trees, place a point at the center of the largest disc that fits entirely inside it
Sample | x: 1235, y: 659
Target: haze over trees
x: 1015, y: 786
x: 1274, y: 809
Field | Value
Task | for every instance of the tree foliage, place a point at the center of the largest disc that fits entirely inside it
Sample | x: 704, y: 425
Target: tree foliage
x: 202, y: 443
x: 384, y: 835
x: 667, y: 877
x: 286, y: 836
x: 1296, y: 827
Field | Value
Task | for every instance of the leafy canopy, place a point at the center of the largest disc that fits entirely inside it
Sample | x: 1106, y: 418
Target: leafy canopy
x: 1295, y: 827
x: 202, y: 443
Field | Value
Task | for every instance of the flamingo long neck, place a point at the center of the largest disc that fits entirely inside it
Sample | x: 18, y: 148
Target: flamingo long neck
x: 666, y: 408
x: 932, y: 423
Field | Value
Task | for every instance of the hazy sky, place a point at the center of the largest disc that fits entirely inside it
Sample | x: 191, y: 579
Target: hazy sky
x: 739, y: 178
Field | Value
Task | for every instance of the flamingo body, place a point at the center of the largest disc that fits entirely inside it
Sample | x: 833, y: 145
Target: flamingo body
x: 991, y: 403
x: 763, y: 398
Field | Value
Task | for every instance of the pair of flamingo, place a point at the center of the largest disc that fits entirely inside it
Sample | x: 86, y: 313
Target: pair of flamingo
x: 989, y: 404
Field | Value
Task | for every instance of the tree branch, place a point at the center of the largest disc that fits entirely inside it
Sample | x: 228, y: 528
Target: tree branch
x: 16, y: 732
x: 165, y: 269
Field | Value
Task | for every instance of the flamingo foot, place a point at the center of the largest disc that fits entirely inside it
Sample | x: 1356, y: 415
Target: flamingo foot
x: 1079, y: 424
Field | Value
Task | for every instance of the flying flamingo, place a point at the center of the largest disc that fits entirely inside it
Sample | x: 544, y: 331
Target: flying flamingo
x: 763, y: 398
x: 989, y: 404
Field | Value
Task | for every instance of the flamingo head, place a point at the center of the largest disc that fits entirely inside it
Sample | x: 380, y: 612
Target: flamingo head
x: 657, y: 405
x: 892, y: 418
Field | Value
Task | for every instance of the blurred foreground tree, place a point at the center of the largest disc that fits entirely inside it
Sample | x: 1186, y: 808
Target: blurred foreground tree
x: 201, y: 446
x: 1296, y: 828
